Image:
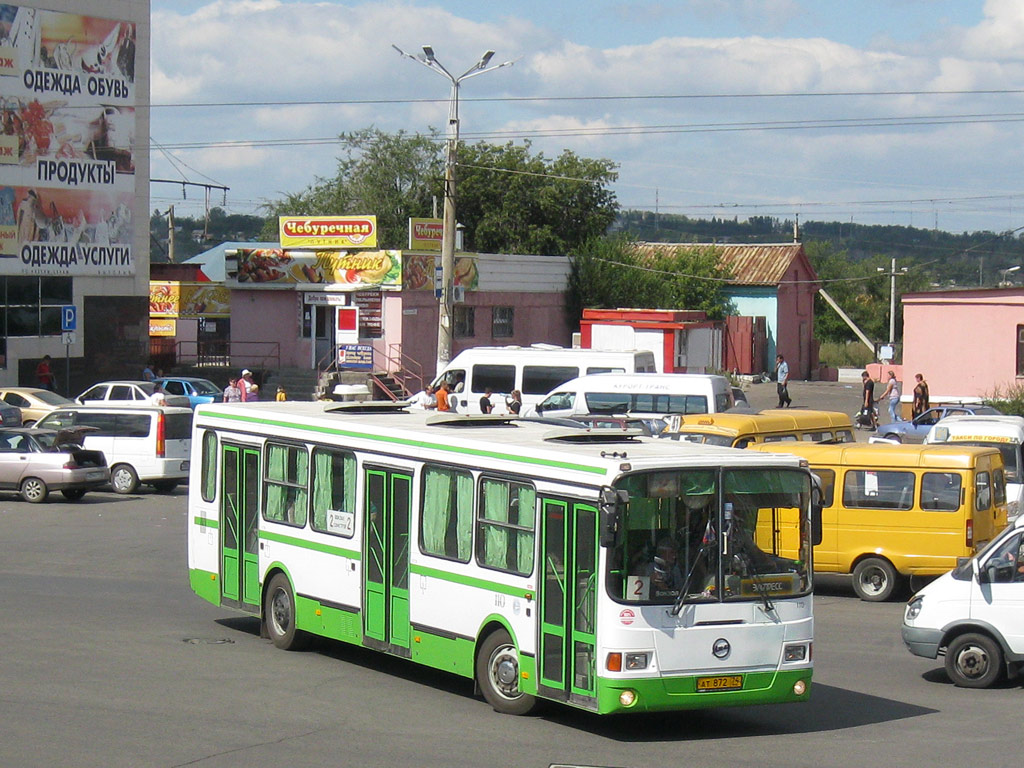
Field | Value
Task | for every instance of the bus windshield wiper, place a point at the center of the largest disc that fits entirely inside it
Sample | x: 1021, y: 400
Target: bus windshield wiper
x: 748, y: 565
x: 709, y: 538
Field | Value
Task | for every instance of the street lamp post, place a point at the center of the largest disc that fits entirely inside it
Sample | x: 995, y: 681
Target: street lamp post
x: 429, y: 60
x: 1006, y: 273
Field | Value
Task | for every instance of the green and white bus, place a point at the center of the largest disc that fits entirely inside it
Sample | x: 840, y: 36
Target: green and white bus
x: 604, y: 570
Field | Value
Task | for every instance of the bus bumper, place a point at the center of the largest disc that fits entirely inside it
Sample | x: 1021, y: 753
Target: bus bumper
x: 677, y: 693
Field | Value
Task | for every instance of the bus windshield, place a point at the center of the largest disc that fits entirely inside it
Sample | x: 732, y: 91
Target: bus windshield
x: 713, y: 535
x: 1010, y: 451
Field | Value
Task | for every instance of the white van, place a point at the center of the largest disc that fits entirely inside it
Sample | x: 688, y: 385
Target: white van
x: 974, y: 614
x: 534, y: 371
x: 649, y: 394
x: 1003, y: 432
x: 143, y: 443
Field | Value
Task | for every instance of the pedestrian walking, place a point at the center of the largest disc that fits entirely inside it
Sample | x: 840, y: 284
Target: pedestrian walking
x: 232, y: 392
x: 920, y: 396
x: 486, y: 406
x: 44, y: 375
x: 782, y: 381
x: 892, y: 394
x: 868, y: 416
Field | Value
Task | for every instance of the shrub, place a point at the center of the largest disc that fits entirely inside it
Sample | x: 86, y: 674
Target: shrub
x: 1009, y: 401
x: 838, y: 354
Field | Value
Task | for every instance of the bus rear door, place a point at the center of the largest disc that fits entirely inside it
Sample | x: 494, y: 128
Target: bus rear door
x: 239, y: 516
x: 386, y: 560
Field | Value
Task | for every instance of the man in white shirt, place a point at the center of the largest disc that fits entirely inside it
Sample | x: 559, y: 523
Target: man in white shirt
x: 424, y: 399
x: 782, y: 381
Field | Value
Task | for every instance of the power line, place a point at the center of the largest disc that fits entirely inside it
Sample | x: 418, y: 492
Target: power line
x: 601, y: 98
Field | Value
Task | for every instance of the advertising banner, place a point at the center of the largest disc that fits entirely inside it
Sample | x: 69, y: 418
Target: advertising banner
x: 425, y: 234
x: 355, y: 357
x: 420, y: 269
x: 328, y: 231
x: 67, y: 143
x: 188, y: 300
x: 288, y: 268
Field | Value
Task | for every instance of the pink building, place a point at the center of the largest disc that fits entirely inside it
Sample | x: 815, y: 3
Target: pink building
x: 968, y: 343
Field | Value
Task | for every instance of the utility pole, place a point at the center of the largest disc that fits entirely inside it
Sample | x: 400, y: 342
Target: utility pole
x: 446, y: 304
x: 893, y: 274
x: 170, y: 234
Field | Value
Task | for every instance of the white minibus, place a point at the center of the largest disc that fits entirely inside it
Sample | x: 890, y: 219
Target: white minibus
x: 1003, y: 432
x: 534, y: 371
x: 656, y: 394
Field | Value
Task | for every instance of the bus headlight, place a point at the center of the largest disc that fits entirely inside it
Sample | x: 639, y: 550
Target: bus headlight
x: 1012, y: 510
x: 793, y: 653
x: 914, y: 608
x: 627, y: 698
x: 637, y: 660
x: 799, y: 687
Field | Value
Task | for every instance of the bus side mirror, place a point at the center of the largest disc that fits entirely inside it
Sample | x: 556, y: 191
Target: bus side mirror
x: 539, y: 408
x: 611, y: 506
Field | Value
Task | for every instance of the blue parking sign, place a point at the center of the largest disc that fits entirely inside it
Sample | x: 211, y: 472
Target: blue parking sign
x: 69, y: 318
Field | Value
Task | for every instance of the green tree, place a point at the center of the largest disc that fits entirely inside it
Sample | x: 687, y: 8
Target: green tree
x: 513, y: 202
x: 508, y: 200
x: 607, y: 273
x: 393, y: 176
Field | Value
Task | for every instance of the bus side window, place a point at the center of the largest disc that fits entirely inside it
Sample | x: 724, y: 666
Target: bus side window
x: 446, y: 519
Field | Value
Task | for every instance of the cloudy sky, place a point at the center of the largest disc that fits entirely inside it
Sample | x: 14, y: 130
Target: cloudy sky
x: 877, y: 111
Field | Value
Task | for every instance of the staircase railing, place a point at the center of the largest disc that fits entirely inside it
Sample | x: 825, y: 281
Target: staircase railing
x: 406, y: 371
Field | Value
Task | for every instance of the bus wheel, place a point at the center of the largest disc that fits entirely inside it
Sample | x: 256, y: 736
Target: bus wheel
x: 497, y: 674
x: 279, y: 614
x: 974, y: 661
x: 874, y: 579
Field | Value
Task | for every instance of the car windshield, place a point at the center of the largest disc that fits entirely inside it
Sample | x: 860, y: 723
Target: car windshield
x: 700, y: 437
x: 51, y: 398
x: 708, y: 535
x: 46, y: 439
x: 204, y: 387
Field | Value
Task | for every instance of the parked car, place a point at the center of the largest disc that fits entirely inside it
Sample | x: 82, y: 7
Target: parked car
x: 144, y: 444
x: 34, y: 462
x: 198, y: 391
x: 916, y: 431
x: 10, y: 415
x: 129, y: 393
x: 34, y: 403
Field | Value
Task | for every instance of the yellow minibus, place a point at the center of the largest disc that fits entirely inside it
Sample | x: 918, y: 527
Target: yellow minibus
x: 892, y: 511
x: 737, y: 430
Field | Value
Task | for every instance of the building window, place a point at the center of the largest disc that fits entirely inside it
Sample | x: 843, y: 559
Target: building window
x: 502, y: 322
x: 31, y: 305
x: 1020, y: 350
x: 464, y: 321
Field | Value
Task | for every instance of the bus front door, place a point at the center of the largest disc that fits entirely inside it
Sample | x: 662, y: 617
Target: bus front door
x: 239, y: 517
x: 386, y: 560
x: 568, y: 601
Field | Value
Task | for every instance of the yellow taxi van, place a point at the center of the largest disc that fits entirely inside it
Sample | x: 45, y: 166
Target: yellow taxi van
x: 894, y: 511
x: 737, y: 430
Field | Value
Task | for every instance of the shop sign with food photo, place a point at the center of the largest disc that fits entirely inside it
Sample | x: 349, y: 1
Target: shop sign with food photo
x: 286, y: 268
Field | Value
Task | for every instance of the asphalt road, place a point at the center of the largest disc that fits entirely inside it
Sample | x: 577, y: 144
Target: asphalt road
x: 108, y: 659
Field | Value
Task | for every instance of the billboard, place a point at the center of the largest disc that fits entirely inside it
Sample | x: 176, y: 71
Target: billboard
x: 276, y: 266
x: 169, y: 298
x: 425, y: 234
x: 328, y: 231
x: 67, y: 143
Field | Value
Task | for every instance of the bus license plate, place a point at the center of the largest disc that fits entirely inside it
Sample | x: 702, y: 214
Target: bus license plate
x: 720, y: 683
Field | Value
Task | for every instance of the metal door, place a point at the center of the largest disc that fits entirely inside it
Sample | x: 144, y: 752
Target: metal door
x: 568, y: 598
x: 386, y: 558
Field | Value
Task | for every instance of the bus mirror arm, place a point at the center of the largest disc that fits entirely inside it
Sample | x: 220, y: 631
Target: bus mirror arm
x: 611, y: 505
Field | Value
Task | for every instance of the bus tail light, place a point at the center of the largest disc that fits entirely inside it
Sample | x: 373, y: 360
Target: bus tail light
x: 970, y: 533
x: 161, y: 436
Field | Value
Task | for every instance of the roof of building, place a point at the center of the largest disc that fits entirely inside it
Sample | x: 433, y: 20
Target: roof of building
x: 756, y: 264
x: 212, y: 261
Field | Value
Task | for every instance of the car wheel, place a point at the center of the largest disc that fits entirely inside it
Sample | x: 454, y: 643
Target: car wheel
x: 165, y: 486
x: 974, y: 661
x: 124, y: 479
x: 497, y: 674
x: 279, y: 615
x: 894, y: 437
x: 73, y: 494
x: 34, y: 490
x: 874, y: 579
x: 28, y: 423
